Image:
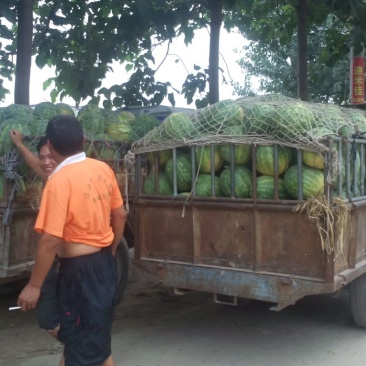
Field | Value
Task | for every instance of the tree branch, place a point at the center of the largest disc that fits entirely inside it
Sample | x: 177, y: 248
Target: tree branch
x: 51, y: 13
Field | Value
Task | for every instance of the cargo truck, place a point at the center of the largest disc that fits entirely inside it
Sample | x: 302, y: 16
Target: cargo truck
x: 254, y: 246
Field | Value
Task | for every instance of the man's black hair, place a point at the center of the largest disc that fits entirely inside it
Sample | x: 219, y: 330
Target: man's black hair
x: 41, y: 142
x: 65, y: 134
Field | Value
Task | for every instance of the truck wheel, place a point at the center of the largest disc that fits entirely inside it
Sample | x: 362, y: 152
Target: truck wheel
x: 357, y: 295
x: 122, y: 258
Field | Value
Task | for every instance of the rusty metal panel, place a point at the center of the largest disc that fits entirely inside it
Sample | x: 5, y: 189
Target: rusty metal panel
x: 163, y: 232
x: 18, y: 243
x: 251, y: 285
x: 243, y: 237
x: 227, y: 236
x: 289, y: 243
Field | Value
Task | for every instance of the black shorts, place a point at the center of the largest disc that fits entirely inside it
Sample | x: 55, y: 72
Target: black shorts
x: 86, y: 299
x: 48, y: 315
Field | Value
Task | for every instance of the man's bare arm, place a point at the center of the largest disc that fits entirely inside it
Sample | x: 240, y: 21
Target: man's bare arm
x: 45, y: 255
x: 118, y: 221
x: 31, y: 159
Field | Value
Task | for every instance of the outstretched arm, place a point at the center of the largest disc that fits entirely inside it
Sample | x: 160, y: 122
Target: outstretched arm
x: 31, y: 159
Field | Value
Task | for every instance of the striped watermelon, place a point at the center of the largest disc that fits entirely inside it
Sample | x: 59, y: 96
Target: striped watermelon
x: 218, y: 116
x: 313, y: 159
x: 165, y: 188
x: 179, y: 125
x: 203, y: 186
x: 241, y: 153
x: 184, y: 172
x: 203, y: 159
x: 265, y: 159
x: 242, y: 182
x: 164, y: 156
x: 312, y: 181
x: 266, y: 188
x: 45, y: 111
x: 65, y: 109
x: 18, y: 112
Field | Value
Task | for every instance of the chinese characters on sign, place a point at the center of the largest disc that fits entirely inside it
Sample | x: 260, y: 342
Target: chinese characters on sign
x: 358, y: 80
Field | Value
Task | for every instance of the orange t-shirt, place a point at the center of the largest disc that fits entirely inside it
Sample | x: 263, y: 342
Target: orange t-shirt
x: 77, y: 201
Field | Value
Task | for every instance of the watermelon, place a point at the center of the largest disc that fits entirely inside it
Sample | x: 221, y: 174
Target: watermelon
x: 165, y: 188
x: 220, y: 115
x: 6, y: 143
x: 45, y: 111
x: 265, y: 159
x: 356, y: 117
x: 143, y: 124
x: 184, y: 194
x: 118, y: 131
x: 203, y: 186
x: 19, y: 113
x: 259, y: 118
x: 266, y: 188
x: 203, y: 159
x: 124, y: 116
x: 293, y: 118
x: 106, y: 151
x: 38, y: 128
x: 65, y: 109
x: 313, y: 159
x: 312, y: 181
x: 344, y: 131
x: 242, y: 153
x: 164, y: 156
x: 242, y: 182
x: 179, y: 125
x: 184, y: 172
x: 91, y: 119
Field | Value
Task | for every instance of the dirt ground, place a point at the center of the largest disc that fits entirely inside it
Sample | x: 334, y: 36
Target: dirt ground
x: 155, y: 327
x: 144, y: 300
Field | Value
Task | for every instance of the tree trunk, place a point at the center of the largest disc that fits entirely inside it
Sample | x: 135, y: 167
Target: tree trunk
x: 24, y: 51
x: 216, y: 7
x: 302, y: 50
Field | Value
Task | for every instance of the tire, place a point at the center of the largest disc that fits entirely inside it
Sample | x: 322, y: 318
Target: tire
x: 357, y: 295
x: 122, y: 258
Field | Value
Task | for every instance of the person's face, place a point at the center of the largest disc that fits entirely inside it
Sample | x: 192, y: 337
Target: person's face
x: 46, y: 161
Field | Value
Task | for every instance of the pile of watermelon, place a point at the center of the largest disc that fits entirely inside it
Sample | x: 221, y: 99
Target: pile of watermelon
x: 229, y: 130
x: 271, y: 119
x: 98, y: 123
x: 106, y: 131
x: 196, y: 176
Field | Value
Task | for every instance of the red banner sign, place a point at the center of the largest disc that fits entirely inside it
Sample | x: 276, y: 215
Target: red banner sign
x: 358, y: 80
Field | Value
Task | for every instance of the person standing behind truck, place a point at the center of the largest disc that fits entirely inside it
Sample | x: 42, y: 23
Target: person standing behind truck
x: 81, y: 219
x: 43, y: 165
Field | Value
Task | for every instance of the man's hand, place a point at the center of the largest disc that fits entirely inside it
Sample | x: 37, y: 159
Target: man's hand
x: 16, y: 136
x: 29, y: 296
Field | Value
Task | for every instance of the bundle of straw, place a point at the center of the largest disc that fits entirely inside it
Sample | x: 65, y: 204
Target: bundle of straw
x: 331, y: 219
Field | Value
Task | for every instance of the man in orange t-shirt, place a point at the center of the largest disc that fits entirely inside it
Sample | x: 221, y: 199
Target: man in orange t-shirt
x: 81, y: 219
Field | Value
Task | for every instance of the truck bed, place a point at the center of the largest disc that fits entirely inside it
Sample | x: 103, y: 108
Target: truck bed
x: 243, y: 249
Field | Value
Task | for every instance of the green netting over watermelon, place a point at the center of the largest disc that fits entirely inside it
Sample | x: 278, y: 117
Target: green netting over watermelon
x: 262, y: 120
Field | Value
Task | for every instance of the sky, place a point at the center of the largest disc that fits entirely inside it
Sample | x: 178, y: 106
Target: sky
x: 175, y: 72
